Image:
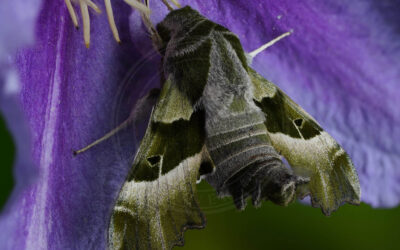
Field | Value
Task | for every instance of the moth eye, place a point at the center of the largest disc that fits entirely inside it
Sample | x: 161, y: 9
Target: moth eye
x: 154, y: 160
x: 298, y: 122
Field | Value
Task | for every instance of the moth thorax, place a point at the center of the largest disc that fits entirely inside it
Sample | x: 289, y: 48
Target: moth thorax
x: 246, y: 164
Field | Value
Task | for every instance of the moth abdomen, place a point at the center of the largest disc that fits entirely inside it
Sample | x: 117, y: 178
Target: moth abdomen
x: 263, y: 180
x: 247, y: 165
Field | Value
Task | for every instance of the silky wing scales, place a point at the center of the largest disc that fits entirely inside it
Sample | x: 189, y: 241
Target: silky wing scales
x: 157, y: 202
x: 154, y: 214
x: 310, y: 151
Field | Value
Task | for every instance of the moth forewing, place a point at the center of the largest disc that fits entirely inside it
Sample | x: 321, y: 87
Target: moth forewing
x: 157, y: 202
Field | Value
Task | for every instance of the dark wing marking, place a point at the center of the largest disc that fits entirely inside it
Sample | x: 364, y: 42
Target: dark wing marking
x: 157, y: 202
x: 310, y: 151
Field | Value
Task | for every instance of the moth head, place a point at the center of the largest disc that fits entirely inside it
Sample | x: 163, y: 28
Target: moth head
x: 177, y: 23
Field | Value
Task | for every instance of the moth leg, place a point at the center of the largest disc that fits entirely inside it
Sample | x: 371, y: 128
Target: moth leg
x: 143, y: 105
x: 255, y: 52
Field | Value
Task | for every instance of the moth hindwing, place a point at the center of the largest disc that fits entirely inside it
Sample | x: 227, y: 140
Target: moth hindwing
x: 215, y: 110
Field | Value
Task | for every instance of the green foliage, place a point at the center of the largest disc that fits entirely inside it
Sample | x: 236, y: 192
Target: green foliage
x: 294, y: 227
x: 7, y: 149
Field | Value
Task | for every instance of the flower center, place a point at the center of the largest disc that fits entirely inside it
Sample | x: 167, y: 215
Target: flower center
x: 84, y: 5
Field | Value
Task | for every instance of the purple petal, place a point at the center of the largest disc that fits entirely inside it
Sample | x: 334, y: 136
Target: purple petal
x: 17, y: 20
x: 71, y: 96
x: 342, y: 64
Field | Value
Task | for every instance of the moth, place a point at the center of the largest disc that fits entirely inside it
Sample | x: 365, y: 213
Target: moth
x: 217, y: 119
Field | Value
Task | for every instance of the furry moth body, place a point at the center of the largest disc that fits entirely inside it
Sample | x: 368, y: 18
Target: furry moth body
x: 217, y: 117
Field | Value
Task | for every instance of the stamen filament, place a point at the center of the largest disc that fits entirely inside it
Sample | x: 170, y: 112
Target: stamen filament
x: 169, y: 7
x: 139, y: 6
x: 72, y: 13
x: 93, y: 6
x: 111, y: 20
x: 84, y: 5
x: 176, y: 3
x: 86, y: 22
x: 269, y: 44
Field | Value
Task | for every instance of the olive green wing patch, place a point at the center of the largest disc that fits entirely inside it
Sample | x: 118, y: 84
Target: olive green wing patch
x: 310, y: 151
x: 172, y: 105
x: 157, y: 202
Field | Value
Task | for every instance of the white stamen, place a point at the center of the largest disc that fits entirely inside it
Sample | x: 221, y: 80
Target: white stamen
x: 139, y: 6
x: 169, y: 7
x: 86, y: 22
x: 111, y: 20
x: 269, y: 44
x: 72, y: 12
x: 176, y: 3
x: 93, y: 6
x: 84, y: 4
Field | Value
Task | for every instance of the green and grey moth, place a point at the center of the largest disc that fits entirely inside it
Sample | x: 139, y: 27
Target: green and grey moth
x: 216, y: 118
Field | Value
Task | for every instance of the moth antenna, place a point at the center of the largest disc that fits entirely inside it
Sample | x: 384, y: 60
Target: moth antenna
x: 105, y: 137
x: 254, y: 53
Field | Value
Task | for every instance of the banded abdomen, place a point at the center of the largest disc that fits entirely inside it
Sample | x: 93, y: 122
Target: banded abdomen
x: 245, y: 162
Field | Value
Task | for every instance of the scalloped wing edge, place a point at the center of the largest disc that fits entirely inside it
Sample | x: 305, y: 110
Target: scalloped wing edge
x: 153, y: 208
x: 333, y: 179
x: 166, y: 207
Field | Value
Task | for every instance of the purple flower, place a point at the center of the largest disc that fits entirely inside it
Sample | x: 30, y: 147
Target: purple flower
x: 17, y: 20
x: 342, y: 64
